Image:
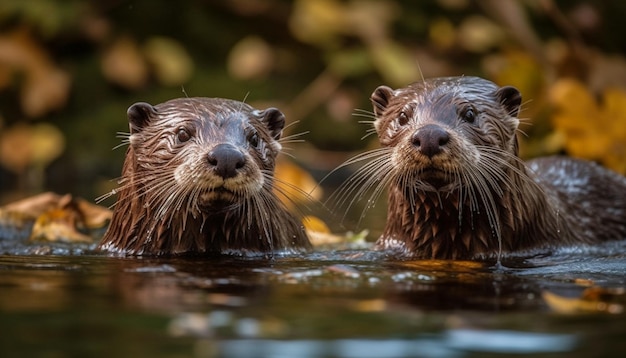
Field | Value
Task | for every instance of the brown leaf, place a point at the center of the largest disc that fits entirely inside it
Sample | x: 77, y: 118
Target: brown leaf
x: 23, y: 145
x: 46, y: 87
x: 251, y: 58
x: 124, y: 65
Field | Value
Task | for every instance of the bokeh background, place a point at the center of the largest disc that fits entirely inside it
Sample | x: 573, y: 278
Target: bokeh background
x: 70, y: 69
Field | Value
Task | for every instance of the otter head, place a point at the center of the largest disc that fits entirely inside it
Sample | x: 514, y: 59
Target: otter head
x: 209, y: 151
x: 440, y: 128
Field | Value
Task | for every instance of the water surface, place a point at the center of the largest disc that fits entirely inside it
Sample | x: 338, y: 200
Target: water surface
x: 61, y: 301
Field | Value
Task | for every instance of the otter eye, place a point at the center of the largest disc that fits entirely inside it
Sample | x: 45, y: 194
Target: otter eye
x: 403, y: 118
x: 468, y: 114
x: 183, y: 135
x: 253, y: 139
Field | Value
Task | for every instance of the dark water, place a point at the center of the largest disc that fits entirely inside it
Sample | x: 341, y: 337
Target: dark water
x: 352, y: 303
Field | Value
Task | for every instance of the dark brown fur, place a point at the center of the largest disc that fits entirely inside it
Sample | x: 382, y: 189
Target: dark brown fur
x: 198, y: 179
x: 457, y: 189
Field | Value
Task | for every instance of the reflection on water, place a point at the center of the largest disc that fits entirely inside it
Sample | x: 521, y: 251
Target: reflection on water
x: 352, y: 303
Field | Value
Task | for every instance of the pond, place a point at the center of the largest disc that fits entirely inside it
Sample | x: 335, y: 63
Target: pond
x: 329, y: 303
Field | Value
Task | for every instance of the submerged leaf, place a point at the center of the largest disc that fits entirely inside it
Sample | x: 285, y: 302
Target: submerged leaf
x: 593, y: 299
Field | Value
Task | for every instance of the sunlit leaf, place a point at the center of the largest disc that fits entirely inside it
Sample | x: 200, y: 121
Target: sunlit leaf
x: 57, y: 217
x: 395, y: 63
x: 124, y: 65
x: 479, y: 34
x: 58, y: 225
x: 295, y: 184
x: 171, y: 63
x: 592, y: 130
x: 313, y: 223
x: 47, y: 143
x: 317, y: 21
x: 521, y: 70
x: 250, y: 58
x: 23, y: 145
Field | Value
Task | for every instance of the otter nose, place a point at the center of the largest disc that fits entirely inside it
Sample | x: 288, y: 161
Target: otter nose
x: 430, y: 139
x: 226, y: 160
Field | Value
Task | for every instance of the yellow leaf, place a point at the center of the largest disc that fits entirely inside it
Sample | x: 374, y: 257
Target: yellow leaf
x: 394, y: 62
x: 592, y: 130
x: 479, y: 34
x: 317, y: 21
x: 441, y: 33
x: 294, y: 184
x: 171, y: 63
x: 519, y: 69
x: 23, y: 145
x: 47, y: 142
x: 590, y: 301
x: 313, y: 223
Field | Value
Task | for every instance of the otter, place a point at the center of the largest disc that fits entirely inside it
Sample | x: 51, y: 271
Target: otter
x: 198, y: 179
x: 457, y: 188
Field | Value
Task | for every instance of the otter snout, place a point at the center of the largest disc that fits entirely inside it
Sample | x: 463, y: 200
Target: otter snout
x: 430, y: 139
x: 226, y: 160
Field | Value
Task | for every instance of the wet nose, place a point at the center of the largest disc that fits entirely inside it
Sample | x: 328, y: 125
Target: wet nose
x: 226, y: 160
x: 430, y: 139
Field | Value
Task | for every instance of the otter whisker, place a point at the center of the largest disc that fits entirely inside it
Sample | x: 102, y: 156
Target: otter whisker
x: 362, y: 180
x: 178, y: 193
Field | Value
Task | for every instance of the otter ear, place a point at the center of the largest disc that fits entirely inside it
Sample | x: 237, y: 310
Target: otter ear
x: 139, y: 116
x: 274, y: 120
x: 510, y: 98
x: 380, y: 99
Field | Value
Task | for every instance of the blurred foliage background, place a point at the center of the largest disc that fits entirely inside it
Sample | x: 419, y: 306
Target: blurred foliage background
x: 70, y: 69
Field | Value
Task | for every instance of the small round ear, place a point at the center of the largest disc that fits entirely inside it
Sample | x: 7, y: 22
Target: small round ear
x: 139, y: 116
x: 380, y: 99
x: 510, y: 98
x: 274, y: 120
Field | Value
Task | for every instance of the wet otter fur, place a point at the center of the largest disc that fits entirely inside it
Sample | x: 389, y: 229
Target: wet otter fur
x: 457, y: 188
x: 198, y: 179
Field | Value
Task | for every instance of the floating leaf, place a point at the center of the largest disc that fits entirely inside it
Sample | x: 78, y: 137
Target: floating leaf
x: 321, y: 238
x: 58, y: 225
x: 56, y: 218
